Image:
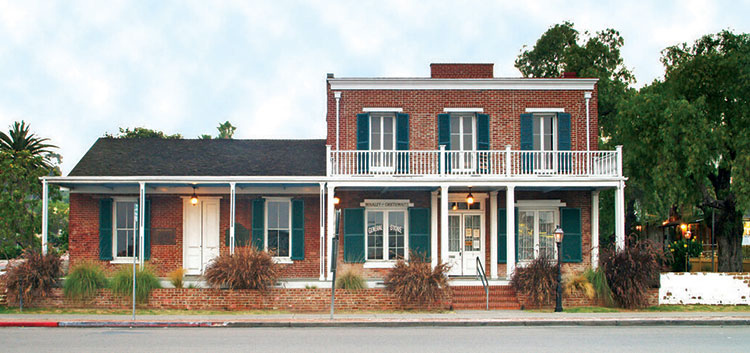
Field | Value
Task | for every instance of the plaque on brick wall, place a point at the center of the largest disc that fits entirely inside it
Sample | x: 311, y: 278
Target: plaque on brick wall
x: 163, y: 236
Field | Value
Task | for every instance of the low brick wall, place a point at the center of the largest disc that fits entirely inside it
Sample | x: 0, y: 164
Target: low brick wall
x: 678, y: 288
x: 578, y: 299
x: 296, y: 300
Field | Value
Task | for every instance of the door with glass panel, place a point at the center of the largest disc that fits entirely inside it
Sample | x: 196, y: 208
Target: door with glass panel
x: 464, y: 243
x: 382, y: 142
x: 544, y: 142
x: 536, y: 234
x: 385, y: 235
x: 463, y: 142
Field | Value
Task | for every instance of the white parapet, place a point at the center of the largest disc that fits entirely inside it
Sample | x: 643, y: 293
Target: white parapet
x: 704, y: 288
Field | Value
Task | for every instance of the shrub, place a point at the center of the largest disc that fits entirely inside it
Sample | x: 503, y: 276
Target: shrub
x: 682, y: 249
x: 746, y: 252
x: 598, y: 280
x: 632, y: 271
x: 175, y: 277
x: 350, y: 278
x: 84, y: 280
x: 578, y: 283
x: 415, y: 282
x: 537, y: 281
x: 35, y: 275
x: 121, y: 283
x: 248, y: 268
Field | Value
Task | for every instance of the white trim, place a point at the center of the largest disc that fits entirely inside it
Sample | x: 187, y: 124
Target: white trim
x: 136, y: 223
x: 283, y: 259
x: 545, y: 110
x: 457, y: 84
x: 382, y: 110
x: 493, y: 237
x: 539, y: 203
x: 379, y: 264
x: 463, y: 110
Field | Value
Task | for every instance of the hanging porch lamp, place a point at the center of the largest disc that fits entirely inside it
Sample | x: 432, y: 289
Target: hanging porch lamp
x: 194, y: 198
x: 470, y: 198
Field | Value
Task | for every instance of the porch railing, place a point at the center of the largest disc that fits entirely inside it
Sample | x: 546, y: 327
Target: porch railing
x: 498, y: 163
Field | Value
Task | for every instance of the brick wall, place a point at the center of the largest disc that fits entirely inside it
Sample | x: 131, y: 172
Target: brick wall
x: 461, y: 70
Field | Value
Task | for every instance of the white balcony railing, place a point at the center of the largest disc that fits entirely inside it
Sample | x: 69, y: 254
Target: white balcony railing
x: 502, y: 163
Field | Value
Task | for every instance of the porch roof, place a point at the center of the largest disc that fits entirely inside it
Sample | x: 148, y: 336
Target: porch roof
x: 194, y: 157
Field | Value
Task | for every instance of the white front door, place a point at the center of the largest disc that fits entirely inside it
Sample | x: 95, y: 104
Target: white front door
x: 465, y: 243
x: 200, y: 234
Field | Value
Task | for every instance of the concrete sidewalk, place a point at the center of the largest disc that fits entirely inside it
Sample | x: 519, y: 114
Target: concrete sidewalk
x: 455, y: 319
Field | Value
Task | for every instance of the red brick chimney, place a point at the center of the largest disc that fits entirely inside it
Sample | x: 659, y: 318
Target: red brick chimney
x: 461, y: 70
x: 569, y: 74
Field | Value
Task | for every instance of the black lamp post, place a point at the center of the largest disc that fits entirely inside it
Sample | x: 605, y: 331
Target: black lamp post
x: 558, y: 239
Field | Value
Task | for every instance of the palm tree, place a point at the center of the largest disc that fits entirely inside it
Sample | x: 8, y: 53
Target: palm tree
x: 20, y: 139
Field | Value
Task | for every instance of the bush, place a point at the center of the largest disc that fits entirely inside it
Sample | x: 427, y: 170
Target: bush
x: 632, y: 271
x: 537, y: 281
x: 598, y: 280
x: 176, y: 276
x: 145, y: 281
x: 84, y: 280
x: 35, y: 275
x: 248, y: 268
x: 350, y: 278
x: 578, y: 283
x: 746, y: 252
x: 415, y: 282
x: 680, y: 250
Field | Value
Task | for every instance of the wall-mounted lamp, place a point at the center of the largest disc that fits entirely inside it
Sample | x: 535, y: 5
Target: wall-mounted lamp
x: 336, y: 200
x: 470, y: 198
x: 194, y: 198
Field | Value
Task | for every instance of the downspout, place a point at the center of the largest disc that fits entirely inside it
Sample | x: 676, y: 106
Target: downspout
x: 337, y: 95
x: 587, y: 96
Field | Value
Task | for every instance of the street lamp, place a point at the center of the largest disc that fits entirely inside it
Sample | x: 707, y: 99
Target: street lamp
x: 558, y: 239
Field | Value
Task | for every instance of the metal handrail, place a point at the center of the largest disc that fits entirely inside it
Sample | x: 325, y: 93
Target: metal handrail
x: 486, y: 284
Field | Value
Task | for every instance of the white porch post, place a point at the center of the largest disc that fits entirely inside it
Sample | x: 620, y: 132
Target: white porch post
x: 510, y: 230
x: 322, y: 216
x: 45, y: 215
x: 444, y: 223
x: 232, y: 207
x: 493, y: 235
x: 141, y: 222
x: 331, y: 220
x: 433, y: 229
x: 620, y: 216
x: 595, y: 229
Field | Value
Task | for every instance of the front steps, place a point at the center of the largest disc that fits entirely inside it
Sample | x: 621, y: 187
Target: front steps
x: 502, y: 297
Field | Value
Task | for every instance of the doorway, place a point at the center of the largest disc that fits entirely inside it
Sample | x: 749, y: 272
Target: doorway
x: 465, y: 242
x: 200, y: 234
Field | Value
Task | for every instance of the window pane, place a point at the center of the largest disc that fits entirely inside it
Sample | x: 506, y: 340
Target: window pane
x: 122, y: 243
x: 455, y: 124
x: 468, y: 142
x: 454, y: 233
x: 388, y: 141
x: 122, y: 219
x: 375, y: 133
x: 537, y: 133
x: 546, y: 234
x: 283, y: 214
x: 468, y: 125
x: 273, y: 241
x: 455, y: 142
x: 525, y: 235
x: 283, y: 249
x: 273, y: 215
x: 375, y: 235
x: 388, y: 124
x: 395, y: 234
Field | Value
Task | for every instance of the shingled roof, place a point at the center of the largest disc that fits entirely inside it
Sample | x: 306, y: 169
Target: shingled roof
x: 160, y: 157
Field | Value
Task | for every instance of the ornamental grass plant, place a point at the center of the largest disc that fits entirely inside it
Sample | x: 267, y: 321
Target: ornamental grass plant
x: 176, y: 277
x: 121, y: 283
x: 84, y: 280
x: 350, y: 278
x: 536, y: 281
x: 415, y: 282
x: 575, y: 283
x: 598, y: 280
x: 632, y: 271
x: 247, y: 268
x: 34, y: 276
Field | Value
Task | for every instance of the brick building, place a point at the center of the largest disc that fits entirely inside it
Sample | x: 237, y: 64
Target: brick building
x: 460, y: 167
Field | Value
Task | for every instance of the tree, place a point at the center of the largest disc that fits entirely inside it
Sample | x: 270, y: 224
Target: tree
x: 692, y: 129
x: 226, y: 130
x: 142, y: 132
x: 20, y: 139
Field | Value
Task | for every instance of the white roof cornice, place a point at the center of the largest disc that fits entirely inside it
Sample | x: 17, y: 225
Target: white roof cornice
x: 466, y: 84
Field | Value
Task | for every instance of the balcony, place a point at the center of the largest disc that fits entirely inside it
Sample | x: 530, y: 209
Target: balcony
x: 457, y: 164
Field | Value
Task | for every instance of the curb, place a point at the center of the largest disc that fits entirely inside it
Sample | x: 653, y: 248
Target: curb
x: 380, y: 324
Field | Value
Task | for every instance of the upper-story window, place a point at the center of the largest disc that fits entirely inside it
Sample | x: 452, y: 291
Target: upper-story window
x: 463, y: 132
x: 382, y: 132
x: 545, y: 132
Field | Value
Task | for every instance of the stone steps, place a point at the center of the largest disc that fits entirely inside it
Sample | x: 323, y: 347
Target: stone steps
x: 473, y: 298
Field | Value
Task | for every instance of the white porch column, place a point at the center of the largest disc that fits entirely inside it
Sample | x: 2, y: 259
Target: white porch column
x: 434, y: 229
x: 331, y: 222
x: 232, y: 207
x: 595, y: 229
x: 45, y: 215
x: 322, y: 214
x: 510, y: 230
x: 620, y: 216
x: 493, y: 235
x: 141, y: 222
x: 444, y: 223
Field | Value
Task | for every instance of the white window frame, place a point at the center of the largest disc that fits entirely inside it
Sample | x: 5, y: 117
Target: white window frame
x: 123, y: 259
x: 539, y: 119
x: 537, y: 206
x: 385, y: 263
x: 288, y: 201
x: 460, y: 163
x: 380, y: 116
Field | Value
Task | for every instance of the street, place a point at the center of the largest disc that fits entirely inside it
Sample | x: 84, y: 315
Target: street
x: 426, y: 339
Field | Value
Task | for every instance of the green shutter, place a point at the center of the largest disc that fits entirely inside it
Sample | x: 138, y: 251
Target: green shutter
x: 571, y: 225
x: 298, y: 229
x: 363, y: 132
x: 258, y: 223
x: 563, y: 132
x: 241, y: 236
x: 483, y: 132
x: 147, y: 231
x: 516, y: 235
x: 402, y: 142
x: 502, y: 236
x: 527, y: 142
x: 419, y: 231
x: 354, y: 235
x: 444, y: 130
x: 105, y: 229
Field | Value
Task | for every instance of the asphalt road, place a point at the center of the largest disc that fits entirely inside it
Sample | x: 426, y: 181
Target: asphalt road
x: 424, y: 339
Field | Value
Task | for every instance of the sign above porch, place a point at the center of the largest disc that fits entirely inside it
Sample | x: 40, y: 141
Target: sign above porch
x: 385, y: 203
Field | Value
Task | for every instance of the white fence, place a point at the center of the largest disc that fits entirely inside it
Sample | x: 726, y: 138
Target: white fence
x: 704, y: 288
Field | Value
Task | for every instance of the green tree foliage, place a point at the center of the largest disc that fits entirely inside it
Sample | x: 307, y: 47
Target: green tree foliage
x: 142, y: 132
x: 226, y: 130
x: 19, y: 139
x: 689, y: 135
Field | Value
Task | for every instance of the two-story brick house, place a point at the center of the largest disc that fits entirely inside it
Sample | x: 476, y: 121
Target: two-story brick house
x: 429, y: 165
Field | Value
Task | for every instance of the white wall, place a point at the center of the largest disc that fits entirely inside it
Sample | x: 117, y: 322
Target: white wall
x: 705, y: 288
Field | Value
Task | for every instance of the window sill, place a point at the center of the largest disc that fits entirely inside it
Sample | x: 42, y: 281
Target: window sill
x: 283, y: 260
x: 123, y: 261
x: 379, y: 264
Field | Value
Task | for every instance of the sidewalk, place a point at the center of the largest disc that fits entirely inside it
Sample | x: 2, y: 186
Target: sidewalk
x: 451, y: 319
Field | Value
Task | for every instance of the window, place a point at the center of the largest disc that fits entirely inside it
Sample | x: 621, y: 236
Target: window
x: 463, y: 136
x: 125, y: 227
x: 382, y: 132
x: 386, y: 235
x: 278, y: 227
x: 545, y: 126
x: 536, y: 233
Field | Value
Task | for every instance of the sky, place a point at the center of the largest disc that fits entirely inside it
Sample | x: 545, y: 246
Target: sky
x: 76, y: 70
